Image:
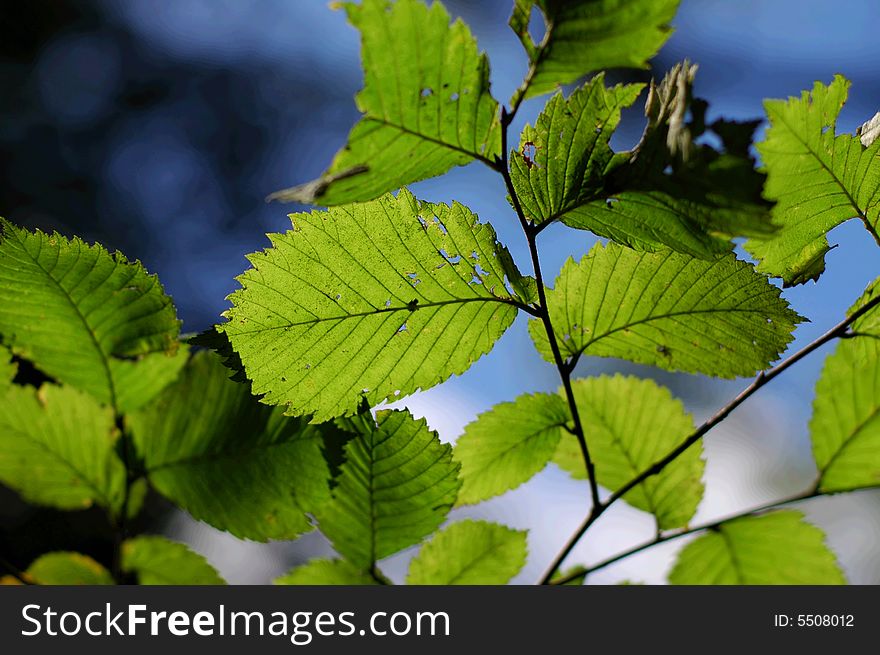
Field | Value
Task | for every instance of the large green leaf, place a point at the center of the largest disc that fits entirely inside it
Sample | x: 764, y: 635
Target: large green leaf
x: 845, y: 426
x: 57, y: 447
x: 79, y: 313
x: 669, y: 310
x: 158, y: 561
x: 818, y: 178
x: 214, y: 450
x: 67, y: 568
x: 426, y: 104
x: 396, y: 486
x: 326, y: 572
x: 470, y: 553
x: 779, y: 548
x: 585, y: 36
x: 507, y: 445
x: 630, y: 424
x: 373, y: 300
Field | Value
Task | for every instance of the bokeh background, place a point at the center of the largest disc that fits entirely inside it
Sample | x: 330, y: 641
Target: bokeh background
x: 158, y: 127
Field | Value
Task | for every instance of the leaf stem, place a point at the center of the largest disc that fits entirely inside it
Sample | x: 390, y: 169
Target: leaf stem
x: 762, y: 378
x: 670, y: 536
x: 543, y: 314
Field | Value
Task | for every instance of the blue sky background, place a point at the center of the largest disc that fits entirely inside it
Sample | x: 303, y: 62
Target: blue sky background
x: 159, y: 127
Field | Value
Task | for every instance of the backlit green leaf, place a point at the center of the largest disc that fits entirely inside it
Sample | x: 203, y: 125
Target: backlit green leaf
x: 779, y: 548
x: 212, y: 448
x: 79, y: 313
x: 585, y: 36
x: 67, y: 568
x: 507, y: 445
x: 630, y: 424
x: 470, y: 553
x: 158, y: 561
x: 669, y: 310
x: 326, y: 572
x: 426, y: 104
x: 669, y: 191
x: 57, y: 447
x: 818, y: 178
x: 395, y: 487
x: 845, y: 426
x: 371, y: 301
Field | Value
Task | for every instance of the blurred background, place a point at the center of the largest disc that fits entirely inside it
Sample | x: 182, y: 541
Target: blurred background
x: 158, y: 127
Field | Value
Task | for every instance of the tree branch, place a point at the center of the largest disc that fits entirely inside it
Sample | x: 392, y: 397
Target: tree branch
x: 763, y: 378
x: 543, y: 314
x: 670, y: 536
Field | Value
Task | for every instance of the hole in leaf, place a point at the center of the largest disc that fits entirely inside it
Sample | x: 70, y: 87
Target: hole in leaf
x: 453, y: 97
x: 402, y: 328
x: 474, y: 255
x: 610, y: 202
x: 388, y: 303
x: 452, y: 259
x: 397, y: 392
x: 476, y: 280
x: 480, y: 270
x: 338, y: 296
x: 427, y: 91
x: 440, y: 225
x: 308, y: 366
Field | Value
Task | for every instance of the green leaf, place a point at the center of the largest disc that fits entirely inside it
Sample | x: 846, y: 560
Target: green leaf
x: 396, y: 486
x: 819, y: 179
x: 78, y: 312
x: 779, y: 548
x: 67, y: 568
x: 210, y: 447
x: 667, y: 192
x: 158, y: 561
x: 470, y: 553
x: 631, y: 424
x: 845, y: 427
x: 669, y: 310
x: 507, y: 445
x: 373, y: 300
x: 57, y: 447
x: 326, y: 572
x: 585, y: 36
x: 561, y: 161
x: 426, y: 105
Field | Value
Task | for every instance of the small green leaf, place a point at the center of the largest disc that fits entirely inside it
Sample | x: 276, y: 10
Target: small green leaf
x: 672, y: 190
x: 426, y: 105
x: 576, y: 581
x: 470, y: 553
x: 78, y: 312
x: 845, y: 427
x: 585, y: 36
x: 630, y: 424
x: 561, y: 161
x: 779, y: 548
x: 396, y: 486
x: 507, y: 445
x: 68, y: 568
x: 669, y: 310
x: 326, y: 572
x: 158, y: 561
x: 371, y: 301
x: 818, y: 178
x: 213, y: 449
x: 57, y: 447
